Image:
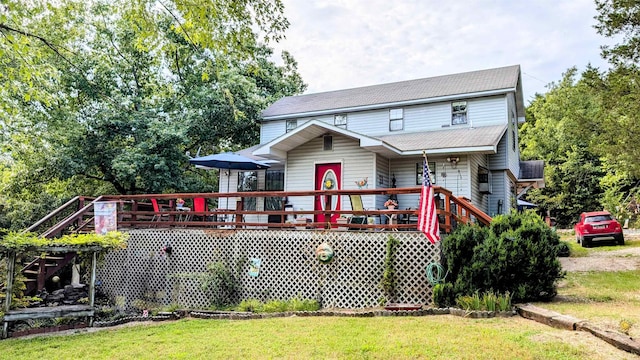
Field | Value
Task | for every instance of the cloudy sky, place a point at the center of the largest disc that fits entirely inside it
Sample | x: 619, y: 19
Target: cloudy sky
x: 342, y: 44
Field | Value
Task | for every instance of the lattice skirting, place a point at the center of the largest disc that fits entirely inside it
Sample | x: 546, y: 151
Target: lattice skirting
x: 143, y: 275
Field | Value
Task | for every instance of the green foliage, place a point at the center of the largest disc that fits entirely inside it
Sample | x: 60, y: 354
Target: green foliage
x: 118, y: 92
x: 488, y: 301
x: 516, y: 255
x: 250, y: 305
x: 295, y: 304
x: 26, y: 241
x: 219, y: 283
x: 388, y: 275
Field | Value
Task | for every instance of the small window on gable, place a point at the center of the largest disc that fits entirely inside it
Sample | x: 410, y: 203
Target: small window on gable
x: 292, y: 124
x: 396, y: 119
x: 458, y: 112
x: 340, y: 121
x: 327, y: 142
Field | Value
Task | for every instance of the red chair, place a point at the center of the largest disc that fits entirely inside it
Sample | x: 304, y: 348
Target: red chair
x: 158, y: 215
x: 200, y: 205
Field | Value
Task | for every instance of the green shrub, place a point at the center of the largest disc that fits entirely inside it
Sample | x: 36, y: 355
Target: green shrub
x: 275, y: 306
x: 250, y: 305
x: 517, y: 254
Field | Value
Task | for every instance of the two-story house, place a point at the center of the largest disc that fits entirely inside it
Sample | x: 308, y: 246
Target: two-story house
x: 466, y: 123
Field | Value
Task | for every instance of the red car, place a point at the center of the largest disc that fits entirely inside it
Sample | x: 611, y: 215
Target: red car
x: 598, y: 225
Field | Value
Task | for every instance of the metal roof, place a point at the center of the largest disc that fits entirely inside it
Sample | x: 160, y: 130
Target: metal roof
x: 476, y: 83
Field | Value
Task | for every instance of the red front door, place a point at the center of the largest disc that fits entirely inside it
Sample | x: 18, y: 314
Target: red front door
x: 328, y: 178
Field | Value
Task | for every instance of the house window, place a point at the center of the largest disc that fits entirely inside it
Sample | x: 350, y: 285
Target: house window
x: 396, y: 119
x: 432, y: 172
x: 248, y: 181
x: 327, y: 142
x: 458, y: 112
x: 292, y: 124
x: 340, y: 121
x: 274, y: 181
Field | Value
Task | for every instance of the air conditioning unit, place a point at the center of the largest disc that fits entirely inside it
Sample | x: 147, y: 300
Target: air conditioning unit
x: 484, y: 188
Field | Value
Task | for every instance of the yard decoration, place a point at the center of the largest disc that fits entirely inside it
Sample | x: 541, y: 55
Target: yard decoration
x: 324, y: 253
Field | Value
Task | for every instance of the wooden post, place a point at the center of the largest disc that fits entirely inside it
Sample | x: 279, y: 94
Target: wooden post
x: 11, y: 264
x: 327, y: 211
x: 42, y: 272
x: 92, y: 284
x: 239, y: 207
x: 447, y: 212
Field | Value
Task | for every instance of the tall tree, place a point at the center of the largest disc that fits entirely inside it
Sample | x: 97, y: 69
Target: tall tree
x: 139, y: 86
x: 555, y: 132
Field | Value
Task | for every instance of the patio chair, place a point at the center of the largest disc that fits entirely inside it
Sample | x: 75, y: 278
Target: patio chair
x: 356, y: 205
x: 200, y: 205
x: 157, y: 212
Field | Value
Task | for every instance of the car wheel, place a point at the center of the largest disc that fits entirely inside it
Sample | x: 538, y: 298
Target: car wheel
x: 620, y: 239
x: 585, y: 242
x: 577, y: 239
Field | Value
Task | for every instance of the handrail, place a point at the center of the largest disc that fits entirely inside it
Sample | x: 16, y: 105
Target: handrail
x: 56, y: 229
x: 52, y: 214
x: 135, y: 211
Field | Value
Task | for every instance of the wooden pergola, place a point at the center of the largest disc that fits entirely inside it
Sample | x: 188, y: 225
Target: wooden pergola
x: 50, y: 311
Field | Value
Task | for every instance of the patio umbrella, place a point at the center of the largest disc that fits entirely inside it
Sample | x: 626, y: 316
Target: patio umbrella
x: 229, y: 161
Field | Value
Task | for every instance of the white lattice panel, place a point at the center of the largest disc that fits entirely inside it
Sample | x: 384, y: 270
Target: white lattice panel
x: 289, y: 267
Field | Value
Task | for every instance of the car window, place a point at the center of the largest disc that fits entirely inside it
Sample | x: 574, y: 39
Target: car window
x: 597, y: 218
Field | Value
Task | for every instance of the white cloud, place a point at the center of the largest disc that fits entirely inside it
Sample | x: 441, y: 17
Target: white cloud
x: 350, y: 43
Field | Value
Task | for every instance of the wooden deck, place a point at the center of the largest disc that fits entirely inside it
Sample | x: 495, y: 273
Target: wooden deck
x: 136, y: 211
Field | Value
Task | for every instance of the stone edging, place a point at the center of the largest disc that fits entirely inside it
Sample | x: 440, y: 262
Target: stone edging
x: 560, y: 321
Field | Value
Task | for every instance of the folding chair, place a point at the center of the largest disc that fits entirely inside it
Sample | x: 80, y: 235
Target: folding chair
x: 356, y: 205
x: 157, y: 213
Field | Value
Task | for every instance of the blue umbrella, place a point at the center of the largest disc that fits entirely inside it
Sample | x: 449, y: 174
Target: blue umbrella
x: 228, y: 160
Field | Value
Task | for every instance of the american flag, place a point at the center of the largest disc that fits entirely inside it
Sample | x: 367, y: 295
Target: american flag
x: 427, y: 216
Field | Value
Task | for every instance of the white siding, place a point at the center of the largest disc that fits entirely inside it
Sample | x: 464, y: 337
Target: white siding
x: 487, y: 111
x: 500, y: 186
x: 270, y: 130
x: 514, y: 153
x: 477, y: 198
x: 484, y: 111
x: 498, y: 161
x: 356, y: 163
x: 455, y: 179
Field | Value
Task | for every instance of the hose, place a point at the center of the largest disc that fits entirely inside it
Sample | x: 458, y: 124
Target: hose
x: 435, y: 273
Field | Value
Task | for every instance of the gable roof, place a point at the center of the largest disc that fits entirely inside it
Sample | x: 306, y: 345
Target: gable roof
x: 439, y: 88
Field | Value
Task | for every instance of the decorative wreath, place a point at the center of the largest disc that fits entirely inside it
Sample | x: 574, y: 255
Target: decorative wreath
x: 328, y: 184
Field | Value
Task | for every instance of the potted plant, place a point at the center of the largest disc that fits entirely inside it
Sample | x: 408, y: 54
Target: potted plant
x: 390, y: 204
x: 180, y: 202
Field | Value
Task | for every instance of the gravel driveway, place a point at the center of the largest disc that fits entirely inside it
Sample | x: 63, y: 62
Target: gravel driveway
x: 616, y: 260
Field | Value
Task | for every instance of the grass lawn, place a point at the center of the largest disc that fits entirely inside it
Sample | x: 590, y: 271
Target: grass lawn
x: 608, y: 299
x: 438, y: 336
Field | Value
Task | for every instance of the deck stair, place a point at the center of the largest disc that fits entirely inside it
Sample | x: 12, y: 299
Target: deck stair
x: 42, y: 268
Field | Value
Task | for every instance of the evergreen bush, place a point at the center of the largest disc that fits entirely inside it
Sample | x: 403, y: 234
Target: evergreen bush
x: 517, y: 254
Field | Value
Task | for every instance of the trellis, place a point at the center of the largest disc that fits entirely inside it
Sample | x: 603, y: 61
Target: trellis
x: 145, y: 274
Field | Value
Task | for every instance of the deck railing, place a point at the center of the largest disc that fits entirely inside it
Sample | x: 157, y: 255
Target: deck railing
x: 136, y: 211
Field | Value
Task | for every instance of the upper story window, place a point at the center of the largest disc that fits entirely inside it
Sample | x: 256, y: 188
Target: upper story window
x: 396, y: 119
x: 327, y: 142
x: 292, y: 124
x: 340, y: 121
x: 458, y: 112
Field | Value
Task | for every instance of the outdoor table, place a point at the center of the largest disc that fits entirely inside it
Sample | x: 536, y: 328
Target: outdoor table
x: 184, y: 217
